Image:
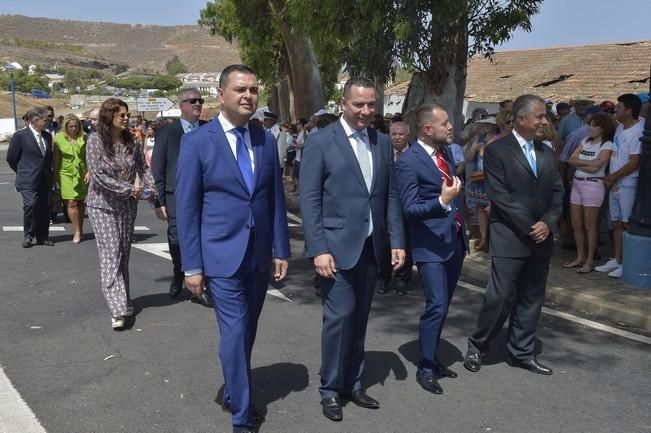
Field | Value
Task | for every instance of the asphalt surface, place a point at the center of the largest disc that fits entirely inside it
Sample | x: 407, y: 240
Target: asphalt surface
x: 163, y: 374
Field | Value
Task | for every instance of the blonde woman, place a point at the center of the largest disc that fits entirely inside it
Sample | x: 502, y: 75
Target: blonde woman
x: 69, y: 162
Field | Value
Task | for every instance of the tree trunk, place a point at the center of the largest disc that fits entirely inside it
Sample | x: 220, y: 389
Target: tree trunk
x: 305, y: 76
x: 284, y: 106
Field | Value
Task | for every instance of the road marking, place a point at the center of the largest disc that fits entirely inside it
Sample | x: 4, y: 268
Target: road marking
x: 161, y: 249
x: 15, y: 415
x: 141, y: 228
x: 572, y: 318
x: 4, y: 183
x: 20, y: 228
x: 295, y: 217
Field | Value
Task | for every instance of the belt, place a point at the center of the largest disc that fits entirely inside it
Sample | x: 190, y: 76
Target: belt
x: 589, y: 179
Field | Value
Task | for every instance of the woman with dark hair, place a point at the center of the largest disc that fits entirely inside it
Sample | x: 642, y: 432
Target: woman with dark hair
x: 588, y: 190
x: 115, y: 160
x: 69, y: 162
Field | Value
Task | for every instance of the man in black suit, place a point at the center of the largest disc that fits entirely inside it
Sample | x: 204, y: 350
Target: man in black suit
x: 526, y: 194
x: 163, y: 167
x: 30, y: 157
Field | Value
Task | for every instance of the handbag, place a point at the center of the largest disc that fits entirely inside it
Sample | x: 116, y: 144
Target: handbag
x: 477, y: 176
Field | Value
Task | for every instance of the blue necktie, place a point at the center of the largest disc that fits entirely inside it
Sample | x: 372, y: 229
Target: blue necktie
x: 244, y: 159
x: 529, y: 153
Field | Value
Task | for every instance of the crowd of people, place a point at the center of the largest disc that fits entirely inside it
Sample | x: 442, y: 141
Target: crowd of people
x: 372, y: 205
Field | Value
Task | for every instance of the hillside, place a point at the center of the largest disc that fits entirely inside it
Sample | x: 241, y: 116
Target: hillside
x: 99, y: 45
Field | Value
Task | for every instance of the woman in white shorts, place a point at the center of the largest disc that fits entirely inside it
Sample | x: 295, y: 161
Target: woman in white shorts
x: 588, y: 190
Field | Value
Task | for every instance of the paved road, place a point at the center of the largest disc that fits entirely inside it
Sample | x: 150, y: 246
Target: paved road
x: 162, y: 375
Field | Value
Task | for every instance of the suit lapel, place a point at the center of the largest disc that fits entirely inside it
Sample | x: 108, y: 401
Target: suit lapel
x: 35, y: 142
x: 342, y: 142
x: 257, y: 142
x: 219, y: 138
x: 519, y: 154
x: 425, y: 159
x: 377, y: 155
x: 540, y: 156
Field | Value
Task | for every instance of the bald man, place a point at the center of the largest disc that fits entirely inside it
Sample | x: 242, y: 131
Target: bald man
x: 399, y: 133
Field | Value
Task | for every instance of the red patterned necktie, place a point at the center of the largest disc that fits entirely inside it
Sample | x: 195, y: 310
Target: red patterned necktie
x: 439, y: 159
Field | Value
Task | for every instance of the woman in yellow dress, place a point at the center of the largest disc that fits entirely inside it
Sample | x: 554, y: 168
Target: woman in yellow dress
x: 69, y: 160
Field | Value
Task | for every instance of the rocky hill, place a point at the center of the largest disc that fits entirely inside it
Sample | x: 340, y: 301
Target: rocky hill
x: 97, y: 45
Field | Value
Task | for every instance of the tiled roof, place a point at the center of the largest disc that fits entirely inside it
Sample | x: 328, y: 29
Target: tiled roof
x: 600, y: 72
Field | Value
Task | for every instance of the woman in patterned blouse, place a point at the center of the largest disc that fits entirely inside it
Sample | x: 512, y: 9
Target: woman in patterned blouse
x: 114, y: 159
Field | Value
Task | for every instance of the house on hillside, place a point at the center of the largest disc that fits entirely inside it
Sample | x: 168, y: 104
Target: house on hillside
x: 600, y: 72
x: 206, y: 82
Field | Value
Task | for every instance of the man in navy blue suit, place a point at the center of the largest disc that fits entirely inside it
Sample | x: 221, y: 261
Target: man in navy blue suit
x: 429, y: 192
x: 232, y: 222
x: 351, y: 216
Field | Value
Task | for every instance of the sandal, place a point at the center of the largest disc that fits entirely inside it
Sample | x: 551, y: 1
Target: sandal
x: 585, y: 269
x: 574, y: 264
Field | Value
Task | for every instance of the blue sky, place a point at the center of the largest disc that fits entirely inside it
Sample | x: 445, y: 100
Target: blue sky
x: 559, y: 23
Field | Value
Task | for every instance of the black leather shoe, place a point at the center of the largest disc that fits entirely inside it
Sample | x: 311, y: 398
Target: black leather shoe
x: 237, y: 429
x: 401, y: 288
x: 27, y: 243
x: 381, y: 288
x: 175, y: 287
x: 46, y: 242
x: 429, y: 383
x: 332, y: 408
x: 472, y: 361
x: 532, y: 365
x: 443, y: 371
x: 362, y: 399
x: 206, y: 300
x: 255, y: 416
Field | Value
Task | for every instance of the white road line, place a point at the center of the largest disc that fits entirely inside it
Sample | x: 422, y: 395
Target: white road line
x: 20, y: 228
x: 4, y: 183
x: 295, y: 217
x: 15, y: 415
x: 141, y: 228
x: 161, y: 249
x: 572, y: 318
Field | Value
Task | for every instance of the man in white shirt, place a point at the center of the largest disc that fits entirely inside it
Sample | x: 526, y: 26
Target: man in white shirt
x: 624, y: 173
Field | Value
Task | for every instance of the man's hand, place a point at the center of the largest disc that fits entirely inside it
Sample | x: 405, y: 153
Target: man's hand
x: 539, y: 232
x: 195, y: 284
x: 161, y: 213
x: 324, y: 265
x: 397, y: 258
x: 280, y: 270
x: 449, y: 193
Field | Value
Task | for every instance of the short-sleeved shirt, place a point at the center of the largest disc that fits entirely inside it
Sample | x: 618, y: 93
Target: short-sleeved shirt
x: 569, y: 124
x: 626, y: 143
x: 572, y: 142
x: 589, y: 152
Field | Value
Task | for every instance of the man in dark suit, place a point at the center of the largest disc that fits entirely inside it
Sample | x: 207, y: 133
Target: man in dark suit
x: 428, y: 192
x: 163, y: 168
x: 526, y: 194
x: 30, y: 157
x: 351, y: 212
x: 232, y: 221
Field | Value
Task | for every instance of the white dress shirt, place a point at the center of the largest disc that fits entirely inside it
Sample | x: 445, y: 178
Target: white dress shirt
x: 353, y: 141
x: 522, y: 142
x: 231, y: 136
x: 431, y: 152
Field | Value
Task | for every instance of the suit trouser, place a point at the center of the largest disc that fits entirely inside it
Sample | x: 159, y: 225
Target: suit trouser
x: 238, y: 304
x: 517, y: 289
x: 439, y: 281
x: 36, y: 213
x: 346, y: 302
x: 172, y: 237
x: 113, y: 233
x: 402, y: 274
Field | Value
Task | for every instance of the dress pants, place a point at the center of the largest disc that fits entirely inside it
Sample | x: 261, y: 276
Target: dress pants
x: 238, y: 302
x: 517, y: 289
x: 439, y: 281
x: 402, y: 274
x: 172, y: 237
x: 346, y: 302
x: 36, y: 213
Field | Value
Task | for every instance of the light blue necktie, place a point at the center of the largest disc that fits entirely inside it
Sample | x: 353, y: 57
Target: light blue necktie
x: 244, y: 159
x: 529, y: 154
x: 365, y: 166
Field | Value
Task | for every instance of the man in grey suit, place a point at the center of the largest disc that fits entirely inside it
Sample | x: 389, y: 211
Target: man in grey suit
x: 351, y: 215
x: 30, y: 157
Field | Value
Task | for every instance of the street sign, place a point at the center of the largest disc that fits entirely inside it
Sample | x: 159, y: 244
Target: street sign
x: 154, y: 104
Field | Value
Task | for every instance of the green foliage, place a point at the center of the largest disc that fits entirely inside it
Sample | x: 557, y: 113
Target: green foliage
x: 162, y: 82
x: 175, y: 66
x: 23, y: 82
x: 31, y: 43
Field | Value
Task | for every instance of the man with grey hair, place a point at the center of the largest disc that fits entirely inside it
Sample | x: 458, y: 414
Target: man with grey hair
x: 526, y: 195
x: 93, y: 118
x: 163, y: 168
x: 30, y: 157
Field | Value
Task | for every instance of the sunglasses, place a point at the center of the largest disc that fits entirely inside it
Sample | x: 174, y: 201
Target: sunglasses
x: 193, y: 101
x: 123, y: 115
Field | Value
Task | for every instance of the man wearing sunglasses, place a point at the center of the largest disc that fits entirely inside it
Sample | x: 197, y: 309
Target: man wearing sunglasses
x: 163, y: 167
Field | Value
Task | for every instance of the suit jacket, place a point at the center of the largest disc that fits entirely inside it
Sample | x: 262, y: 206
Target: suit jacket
x: 164, y: 157
x: 335, y: 202
x: 33, y: 170
x: 214, y: 208
x: 519, y: 199
x: 433, y: 231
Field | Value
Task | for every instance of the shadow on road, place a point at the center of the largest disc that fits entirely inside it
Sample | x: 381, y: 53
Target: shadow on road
x: 379, y: 365
x: 448, y: 354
